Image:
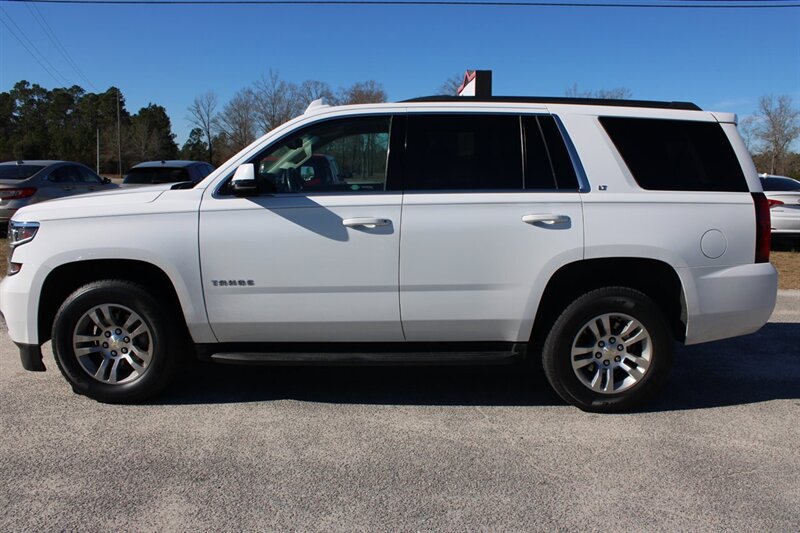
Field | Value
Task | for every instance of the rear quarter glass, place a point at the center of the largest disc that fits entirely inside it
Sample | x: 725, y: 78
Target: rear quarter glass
x: 676, y: 155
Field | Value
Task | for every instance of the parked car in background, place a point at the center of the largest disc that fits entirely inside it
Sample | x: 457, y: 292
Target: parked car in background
x: 27, y: 182
x: 154, y: 172
x: 783, y: 194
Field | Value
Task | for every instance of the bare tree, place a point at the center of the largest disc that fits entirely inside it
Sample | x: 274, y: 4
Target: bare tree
x: 451, y: 85
x: 203, y: 114
x: 618, y: 93
x: 362, y: 92
x: 311, y: 90
x: 275, y: 101
x: 238, y: 119
x: 747, y: 129
x: 778, y: 127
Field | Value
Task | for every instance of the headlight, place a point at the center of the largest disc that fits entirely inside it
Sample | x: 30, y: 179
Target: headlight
x: 21, y: 232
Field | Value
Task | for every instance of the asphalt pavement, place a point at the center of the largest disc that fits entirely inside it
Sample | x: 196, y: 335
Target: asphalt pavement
x: 411, y: 449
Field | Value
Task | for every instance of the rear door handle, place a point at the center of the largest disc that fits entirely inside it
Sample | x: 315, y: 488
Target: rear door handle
x: 366, y: 222
x: 545, y: 218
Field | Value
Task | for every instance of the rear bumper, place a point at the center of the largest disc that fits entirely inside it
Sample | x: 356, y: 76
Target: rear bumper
x: 728, y: 302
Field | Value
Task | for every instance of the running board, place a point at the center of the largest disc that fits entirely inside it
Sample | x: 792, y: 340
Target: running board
x: 371, y: 358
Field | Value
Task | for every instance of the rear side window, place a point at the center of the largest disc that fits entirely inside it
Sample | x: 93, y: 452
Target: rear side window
x: 463, y: 152
x: 676, y: 155
x: 547, y: 161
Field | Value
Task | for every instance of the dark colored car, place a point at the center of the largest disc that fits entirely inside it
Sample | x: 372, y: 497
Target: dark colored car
x: 155, y: 172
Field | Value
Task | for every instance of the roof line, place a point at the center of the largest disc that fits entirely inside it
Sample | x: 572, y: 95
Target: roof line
x: 559, y: 100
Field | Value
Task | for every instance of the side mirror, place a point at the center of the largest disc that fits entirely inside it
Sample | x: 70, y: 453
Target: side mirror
x: 243, y: 182
x: 106, y: 180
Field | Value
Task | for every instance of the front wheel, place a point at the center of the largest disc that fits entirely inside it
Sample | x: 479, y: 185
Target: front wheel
x: 115, y: 343
x: 609, y: 350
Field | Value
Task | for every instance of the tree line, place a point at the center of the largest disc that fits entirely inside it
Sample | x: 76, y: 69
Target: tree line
x: 222, y: 130
x: 69, y: 123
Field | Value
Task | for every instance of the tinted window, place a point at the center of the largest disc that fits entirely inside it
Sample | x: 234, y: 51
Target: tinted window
x: 65, y: 174
x: 347, y: 155
x: 547, y: 161
x: 463, y: 152
x: 18, y: 172
x: 780, y: 184
x: 87, y: 176
x: 156, y: 175
x: 675, y: 155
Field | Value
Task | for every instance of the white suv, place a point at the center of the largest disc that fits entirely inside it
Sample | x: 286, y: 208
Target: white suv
x: 590, y: 234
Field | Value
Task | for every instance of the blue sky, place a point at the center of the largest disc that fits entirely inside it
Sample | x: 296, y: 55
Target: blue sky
x: 719, y: 59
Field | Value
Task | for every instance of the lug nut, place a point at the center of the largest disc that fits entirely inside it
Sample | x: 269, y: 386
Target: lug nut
x: 127, y: 339
x: 605, y: 363
x: 113, y: 353
x: 108, y: 333
x: 118, y: 331
x: 124, y: 350
x: 601, y: 344
x: 620, y: 347
x: 598, y: 355
x: 617, y: 358
x: 105, y: 345
x: 612, y: 340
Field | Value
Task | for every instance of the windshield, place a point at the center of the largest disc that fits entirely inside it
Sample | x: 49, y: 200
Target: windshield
x: 156, y: 175
x: 780, y: 184
x: 18, y: 172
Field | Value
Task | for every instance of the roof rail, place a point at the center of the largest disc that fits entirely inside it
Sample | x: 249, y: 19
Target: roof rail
x: 559, y: 100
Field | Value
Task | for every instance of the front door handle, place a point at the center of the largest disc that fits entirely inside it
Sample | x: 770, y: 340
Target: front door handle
x: 366, y: 222
x: 545, y: 218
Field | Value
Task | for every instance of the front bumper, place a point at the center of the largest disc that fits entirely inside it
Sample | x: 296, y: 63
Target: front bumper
x: 31, y: 357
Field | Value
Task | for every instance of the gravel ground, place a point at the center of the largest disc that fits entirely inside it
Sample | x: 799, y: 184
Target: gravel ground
x: 240, y: 448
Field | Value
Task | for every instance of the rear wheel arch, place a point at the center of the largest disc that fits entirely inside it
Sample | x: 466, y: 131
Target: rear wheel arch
x: 656, y: 279
x: 65, y: 279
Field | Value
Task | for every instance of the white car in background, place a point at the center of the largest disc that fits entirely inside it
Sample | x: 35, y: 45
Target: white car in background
x: 783, y: 194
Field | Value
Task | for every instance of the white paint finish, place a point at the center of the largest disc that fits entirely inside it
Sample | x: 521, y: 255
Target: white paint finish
x: 315, y: 279
x: 164, y: 235
x: 669, y: 226
x: 729, y: 118
x: 469, y: 265
x: 729, y: 301
x: 713, y: 244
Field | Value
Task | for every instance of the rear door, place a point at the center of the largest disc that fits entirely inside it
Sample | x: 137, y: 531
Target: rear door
x: 491, y: 207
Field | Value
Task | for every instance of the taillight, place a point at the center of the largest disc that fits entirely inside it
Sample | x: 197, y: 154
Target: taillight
x: 773, y: 203
x: 763, y: 229
x: 16, y: 194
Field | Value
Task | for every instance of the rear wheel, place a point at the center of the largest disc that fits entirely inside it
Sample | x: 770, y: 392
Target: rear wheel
x: 115, y: 342
x: 609, y: 350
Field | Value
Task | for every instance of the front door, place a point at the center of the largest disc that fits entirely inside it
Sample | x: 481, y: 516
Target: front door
x: 314, y: 256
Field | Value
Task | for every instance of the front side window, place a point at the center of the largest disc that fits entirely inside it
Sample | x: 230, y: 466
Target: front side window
x: 463, y: 152
x: 347, y: 155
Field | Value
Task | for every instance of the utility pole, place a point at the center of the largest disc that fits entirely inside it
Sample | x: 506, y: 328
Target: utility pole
x: 119, y: 141
x: 98, y: 151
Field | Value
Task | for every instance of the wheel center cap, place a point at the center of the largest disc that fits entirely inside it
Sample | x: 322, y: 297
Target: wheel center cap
x: 115, y: 342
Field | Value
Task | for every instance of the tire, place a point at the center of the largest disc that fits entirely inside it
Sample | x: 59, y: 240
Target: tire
x: 584, y: 363
x: 114, y: 342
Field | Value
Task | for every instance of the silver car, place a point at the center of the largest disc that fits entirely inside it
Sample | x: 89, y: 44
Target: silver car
x: 783, y: 195
x: 26, y: 182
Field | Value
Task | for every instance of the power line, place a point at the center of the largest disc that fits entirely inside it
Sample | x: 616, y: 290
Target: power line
x: 53, y: 71
x: 48, y: 30
x: 698, y: 4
